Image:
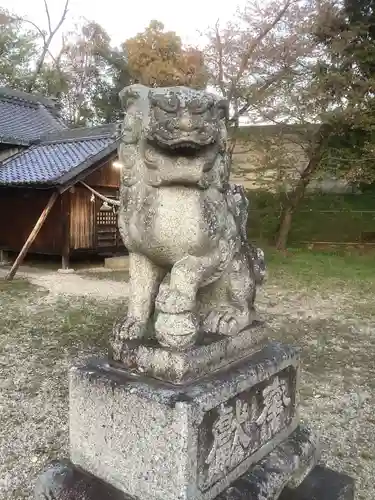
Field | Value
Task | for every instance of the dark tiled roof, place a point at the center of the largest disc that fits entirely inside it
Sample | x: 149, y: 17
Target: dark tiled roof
x: 59, y: 158
x: 26, y: 117
x: 74, y: 134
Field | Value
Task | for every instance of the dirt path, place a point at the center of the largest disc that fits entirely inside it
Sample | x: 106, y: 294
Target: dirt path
x: 271, y: 299
x: 73, y: 284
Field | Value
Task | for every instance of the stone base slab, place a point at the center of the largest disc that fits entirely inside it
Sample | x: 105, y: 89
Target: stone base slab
x: 63, y: 481
x: 118, y: 263
x: 4, y: 258
x: 322, y: 484
x: 293, y: 460
x: 213, y: 353
x: 66, y: 271
x: 158, y: 441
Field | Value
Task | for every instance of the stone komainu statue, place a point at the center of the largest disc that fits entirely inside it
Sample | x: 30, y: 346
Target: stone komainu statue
x: 192, y: 270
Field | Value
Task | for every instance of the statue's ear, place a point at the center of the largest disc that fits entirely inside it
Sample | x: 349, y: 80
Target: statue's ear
x: 133, y: 93
x: 135, y: 103
x: 222, y: 108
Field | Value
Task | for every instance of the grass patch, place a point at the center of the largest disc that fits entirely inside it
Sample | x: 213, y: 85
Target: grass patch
x: 300, y: 267
x: 73, y: 326
x: 16, y: 287
x: 320, y: 217
x: 332, y: 269
x: 327, y: 347
x: 69, y: 325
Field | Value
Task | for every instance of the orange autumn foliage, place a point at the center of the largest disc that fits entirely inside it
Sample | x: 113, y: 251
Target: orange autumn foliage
x: 156, y: 58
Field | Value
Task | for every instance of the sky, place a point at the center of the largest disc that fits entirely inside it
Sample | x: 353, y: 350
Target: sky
x: 122, y: 19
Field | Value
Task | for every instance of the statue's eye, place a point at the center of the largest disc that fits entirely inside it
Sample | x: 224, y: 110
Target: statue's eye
x: 198, y: 107
x: 168, y: 103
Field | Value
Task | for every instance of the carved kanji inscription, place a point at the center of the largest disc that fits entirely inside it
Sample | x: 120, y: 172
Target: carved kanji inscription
x: 232, y: 432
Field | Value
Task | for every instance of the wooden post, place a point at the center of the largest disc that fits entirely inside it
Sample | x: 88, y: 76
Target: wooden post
x: 65, y: 214
x: 3, y: 257
x: 32, y: 236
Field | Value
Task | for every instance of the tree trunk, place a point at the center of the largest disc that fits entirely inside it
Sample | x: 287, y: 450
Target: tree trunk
x: 284, y: 229
x: 293, y: 203
x: 30, y: 86
x: 297, y: 195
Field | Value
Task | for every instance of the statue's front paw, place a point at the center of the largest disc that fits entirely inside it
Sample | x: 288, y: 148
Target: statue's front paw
x: 172, y: 301
x: 128, y: 329
x: 176, y: 331
x: 221, y: 324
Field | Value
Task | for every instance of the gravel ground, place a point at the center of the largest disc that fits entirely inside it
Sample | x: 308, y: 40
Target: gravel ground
x: 84, y: 285
x: 57, y: 319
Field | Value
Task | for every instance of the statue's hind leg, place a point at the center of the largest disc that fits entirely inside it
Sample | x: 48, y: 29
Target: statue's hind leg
x: 227, y: 305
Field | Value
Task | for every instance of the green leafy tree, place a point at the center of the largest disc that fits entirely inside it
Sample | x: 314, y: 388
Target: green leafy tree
x: 307, y: 64
x: 338, y: 95
x: 90, y: 74
x: 117, y: 76
x: 26, y: 62
x: 83, y: 71
x: 18, y: 47
x: 347, y: 31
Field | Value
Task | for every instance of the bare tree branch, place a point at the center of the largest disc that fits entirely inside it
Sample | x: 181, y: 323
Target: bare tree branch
x: 48, y: 16
x: 62, y: 19
x: 219, y: 48
x: 254, y: 44
x: 251, y: 99
x: 41, y: 33
x: 46, y: 42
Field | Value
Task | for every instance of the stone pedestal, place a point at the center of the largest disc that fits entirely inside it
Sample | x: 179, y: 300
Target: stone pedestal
x: 232, y: 434
x: 120, y: 263
x: 154, y: 440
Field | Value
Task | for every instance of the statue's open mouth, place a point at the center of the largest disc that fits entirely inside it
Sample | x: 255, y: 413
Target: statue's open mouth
x: 182, y: 146
x: 186, y: 145
x: 188, y: 149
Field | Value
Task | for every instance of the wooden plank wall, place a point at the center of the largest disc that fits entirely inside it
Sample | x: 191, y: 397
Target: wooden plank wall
x: 107, y: 176
x: 19, y: 211
x: 82, y: 214
x: 83, y: 211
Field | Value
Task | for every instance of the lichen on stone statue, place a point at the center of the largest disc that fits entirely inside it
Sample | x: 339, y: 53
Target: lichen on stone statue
x: 192, y: 270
